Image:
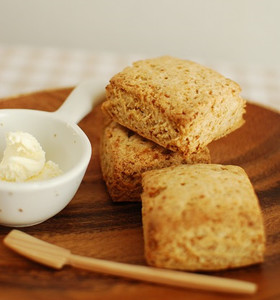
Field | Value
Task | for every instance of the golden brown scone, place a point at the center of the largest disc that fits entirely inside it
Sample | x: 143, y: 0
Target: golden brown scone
x: 125, y: 155
x: 201, y: 217
x: 176, y: 103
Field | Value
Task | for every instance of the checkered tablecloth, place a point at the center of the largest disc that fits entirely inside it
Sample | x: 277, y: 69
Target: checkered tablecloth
x: 29, y: 69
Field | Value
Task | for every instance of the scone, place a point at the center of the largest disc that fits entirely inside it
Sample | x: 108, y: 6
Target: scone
x: 201, y: 217
x: 176, y: 103
x: 125, y: 155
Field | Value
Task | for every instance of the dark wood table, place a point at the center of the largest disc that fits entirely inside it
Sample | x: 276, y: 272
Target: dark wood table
x: 92, y: 225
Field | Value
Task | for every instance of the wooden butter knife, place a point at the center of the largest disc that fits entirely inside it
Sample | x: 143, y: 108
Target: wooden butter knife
x: 57, y: 257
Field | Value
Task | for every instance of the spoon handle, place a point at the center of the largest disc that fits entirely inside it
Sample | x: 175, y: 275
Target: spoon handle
x: 162, y: 276
x: 81, y: 100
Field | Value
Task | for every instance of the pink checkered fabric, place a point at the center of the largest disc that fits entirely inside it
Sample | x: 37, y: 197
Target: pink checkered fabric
x: 29, y: 69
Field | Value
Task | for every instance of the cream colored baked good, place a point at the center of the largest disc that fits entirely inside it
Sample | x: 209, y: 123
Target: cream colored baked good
x: 176, y: 103
x: 125, y: 155
x: 201, y: 217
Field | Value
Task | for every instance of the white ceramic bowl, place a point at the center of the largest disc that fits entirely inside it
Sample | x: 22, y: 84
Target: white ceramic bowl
x: 30, y: 203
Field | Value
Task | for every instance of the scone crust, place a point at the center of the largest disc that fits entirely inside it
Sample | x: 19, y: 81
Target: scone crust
x: 125, y: 156
x: 179, y: 104
x: 201, y: 217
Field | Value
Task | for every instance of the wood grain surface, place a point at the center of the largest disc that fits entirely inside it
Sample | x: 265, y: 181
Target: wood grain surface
x: 92, y: 225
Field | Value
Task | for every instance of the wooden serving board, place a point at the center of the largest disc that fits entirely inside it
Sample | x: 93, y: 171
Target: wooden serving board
x: 92, y: 225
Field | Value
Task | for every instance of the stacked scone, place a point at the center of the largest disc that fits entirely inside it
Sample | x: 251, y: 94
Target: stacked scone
x: 125, y: 156
x: 196, y: 215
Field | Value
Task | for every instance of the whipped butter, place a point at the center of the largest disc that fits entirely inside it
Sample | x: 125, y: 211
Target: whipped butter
x: 25, y: 160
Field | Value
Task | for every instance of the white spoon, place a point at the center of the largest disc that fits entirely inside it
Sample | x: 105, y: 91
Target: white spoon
x: 30, y: 203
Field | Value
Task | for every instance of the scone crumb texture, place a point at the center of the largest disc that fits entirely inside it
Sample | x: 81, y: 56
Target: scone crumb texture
x: 179, y: 104
x: 201, y: 217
